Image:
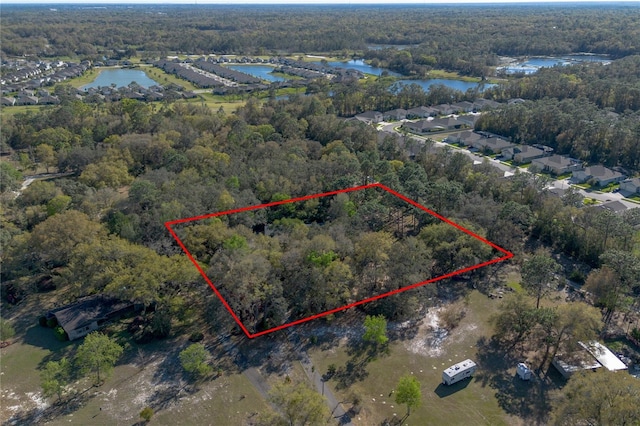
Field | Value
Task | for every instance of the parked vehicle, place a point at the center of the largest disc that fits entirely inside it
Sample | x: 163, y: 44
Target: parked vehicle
x: 460, y: 371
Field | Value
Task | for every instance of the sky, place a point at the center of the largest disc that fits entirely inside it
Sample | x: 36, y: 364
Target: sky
x: 346, y: 2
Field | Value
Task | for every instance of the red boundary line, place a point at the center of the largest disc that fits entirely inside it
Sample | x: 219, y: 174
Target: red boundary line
x: 169, y: 224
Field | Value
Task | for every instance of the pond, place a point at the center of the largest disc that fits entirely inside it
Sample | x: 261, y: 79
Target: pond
x: 260, y: 71
x: 121, y: 78
x: 460, y: 85
x: 362, y: 66
x: 390, y: 46
x: 532, y: 65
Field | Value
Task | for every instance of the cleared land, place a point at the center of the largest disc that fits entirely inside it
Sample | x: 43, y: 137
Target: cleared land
x: 153, y: 377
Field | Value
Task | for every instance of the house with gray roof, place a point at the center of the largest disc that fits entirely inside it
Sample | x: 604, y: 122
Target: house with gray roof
x: 614, y: 206
x: 395, y: 114
x: 444, y: 109
x: 484, y: 104
x: 435, y: 125
x: 465, y: 138
x: 463, y: 106
x: 494, y: 145
x: 557, y: 164
x: 630, y: 186
x: 601, y: 175
x: 421, y: 112
x: 370, y: 117
x: 469, y: 119
x: 522, y: 154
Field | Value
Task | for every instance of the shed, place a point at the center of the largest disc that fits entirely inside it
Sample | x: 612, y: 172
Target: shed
x: 89, y: 314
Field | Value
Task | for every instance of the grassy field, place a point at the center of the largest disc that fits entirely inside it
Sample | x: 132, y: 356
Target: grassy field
x: 491, y: 397
x: 150, y: 375
x: 13, y: 110
x: 227, y: 399
x: 164, y: 79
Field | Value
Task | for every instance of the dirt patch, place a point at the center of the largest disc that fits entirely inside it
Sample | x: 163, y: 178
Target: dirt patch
x: 430, y: 336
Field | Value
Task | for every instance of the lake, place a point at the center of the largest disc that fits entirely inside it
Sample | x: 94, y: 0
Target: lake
x: 121, y: 78
x: 260, y: 71
x: 362, y: 66
x: 462, y: 86
x: 532, y: 65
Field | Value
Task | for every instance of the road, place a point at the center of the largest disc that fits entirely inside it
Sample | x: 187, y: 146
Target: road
x: 508, y: 170
x: 337, y: 411
x: 28, y: 180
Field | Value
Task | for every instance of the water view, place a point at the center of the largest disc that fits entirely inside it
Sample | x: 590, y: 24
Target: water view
x: 362, y: 66
x: 263, y: 72
x: 121, y: 78
x: 462, y: 86
x: 532, y: 65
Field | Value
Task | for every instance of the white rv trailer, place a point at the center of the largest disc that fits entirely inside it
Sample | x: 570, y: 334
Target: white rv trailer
x: 458, y: 372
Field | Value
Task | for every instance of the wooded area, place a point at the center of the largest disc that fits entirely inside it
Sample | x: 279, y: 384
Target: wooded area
x: 127, y: 167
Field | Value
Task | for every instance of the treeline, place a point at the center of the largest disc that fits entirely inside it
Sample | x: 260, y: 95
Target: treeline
x: 465, y: 39
x: 573, y: 127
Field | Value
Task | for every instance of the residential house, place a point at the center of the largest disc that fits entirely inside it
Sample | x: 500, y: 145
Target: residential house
x: 515, y: 101
x: 557, y: 192
x: 7, y: 101
x: 420, y: 126
x: 465, y: 138
x: 370, y: 117
x: 469, y: 119
x: 630, y: 186
x: 49, y: 100
x: 522, y: 154
x: 601, y: 175
x: 26, y: 100
x: 444, y: 109
x: 614, y: 206
x: 485, y: 104
x: 494, y: 145
x: 435, y: 125
x: 421, y: 112
x: 463, y: 106
x: 89, y: 314
x: 395, y: 114
x: 557, y: 164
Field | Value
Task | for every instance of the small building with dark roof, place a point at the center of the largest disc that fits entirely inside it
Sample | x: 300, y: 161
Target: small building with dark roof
x: 89, y: 314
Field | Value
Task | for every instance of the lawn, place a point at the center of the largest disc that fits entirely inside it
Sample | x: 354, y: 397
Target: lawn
x: 12, y: 110
x: 477, y: 401
x: 227, y: 399
x: 165, y: 79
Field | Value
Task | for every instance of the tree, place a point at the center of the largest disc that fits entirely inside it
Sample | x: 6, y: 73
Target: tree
x: 572, y: 322
x: 46, y: 155
x: 375, y: 329
x: 299, y: 405
x: 55, y: 239
x: 146, y: 414
x: 515, y: 320
x: 626, y: 266
x: 10, y: 177
x: 604, y: 285
x: 55, y: 377
x: 408, y: 392
x: 599, y: 398
x: 194, y: 361
x: 537, y: 273
x: 98, y: 354
x: 6, y: 330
